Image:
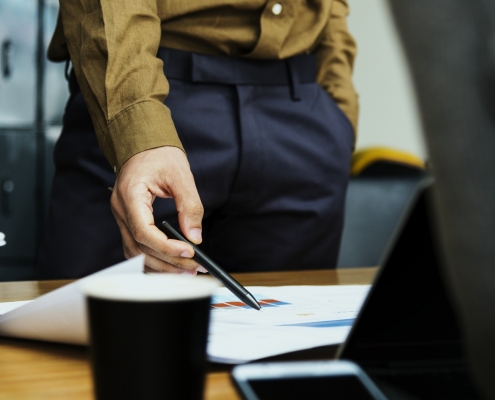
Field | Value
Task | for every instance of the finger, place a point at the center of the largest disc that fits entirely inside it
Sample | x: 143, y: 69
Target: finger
x: 141, y: 225
x: 179, y: 262
x: 160, y: 266
x: 173, y: 265
x: 131, y: 248
x: 151, y: 270
x: 116, y: 206
x: 189, y: 207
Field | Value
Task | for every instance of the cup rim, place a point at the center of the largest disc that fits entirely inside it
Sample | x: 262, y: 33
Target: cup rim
x: 141, y: 287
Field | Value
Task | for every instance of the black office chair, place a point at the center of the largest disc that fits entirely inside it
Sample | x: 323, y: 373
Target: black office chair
x: 382, y: 182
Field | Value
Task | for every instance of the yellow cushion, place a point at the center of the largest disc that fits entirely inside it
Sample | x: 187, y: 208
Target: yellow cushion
x: 363, y: 158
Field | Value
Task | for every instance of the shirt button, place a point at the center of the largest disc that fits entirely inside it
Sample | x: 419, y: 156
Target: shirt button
x: 277, y: 9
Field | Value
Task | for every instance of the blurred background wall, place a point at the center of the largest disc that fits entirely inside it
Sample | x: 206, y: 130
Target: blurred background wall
x: 388, y: 114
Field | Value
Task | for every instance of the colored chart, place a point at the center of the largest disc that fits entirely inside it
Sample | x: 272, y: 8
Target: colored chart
x: 325, y: 324
x: 230, y: 301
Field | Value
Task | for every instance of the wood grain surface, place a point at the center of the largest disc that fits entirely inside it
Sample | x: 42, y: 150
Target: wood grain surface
x: 39, y: 370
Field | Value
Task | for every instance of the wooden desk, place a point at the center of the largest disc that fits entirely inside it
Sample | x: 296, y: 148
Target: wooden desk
x: 36, y: 370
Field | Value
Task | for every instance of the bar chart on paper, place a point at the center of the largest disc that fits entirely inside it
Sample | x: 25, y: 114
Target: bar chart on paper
x: 291, y: 318
x: 232, y: 302
x: 316, y: 307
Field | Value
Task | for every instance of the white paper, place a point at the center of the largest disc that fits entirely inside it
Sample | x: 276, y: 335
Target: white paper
x: 235, y: 344
x: 59, y: 316
x: 11, y: 305
x: 292, y: 318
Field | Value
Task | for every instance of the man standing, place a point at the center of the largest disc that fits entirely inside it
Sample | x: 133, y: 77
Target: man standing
x: 256, y: 93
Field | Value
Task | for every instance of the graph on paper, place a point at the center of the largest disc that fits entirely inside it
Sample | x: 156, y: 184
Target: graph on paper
x: 226, y: 302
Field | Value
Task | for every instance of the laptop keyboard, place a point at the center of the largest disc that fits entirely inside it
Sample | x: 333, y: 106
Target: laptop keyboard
x: 435, y: 385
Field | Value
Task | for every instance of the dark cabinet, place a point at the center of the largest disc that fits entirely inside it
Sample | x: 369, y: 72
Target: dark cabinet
x: 33, y: 93
x: 18, y: 203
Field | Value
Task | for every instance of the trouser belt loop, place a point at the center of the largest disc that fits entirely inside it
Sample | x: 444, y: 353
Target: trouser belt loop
x: 293, y: 80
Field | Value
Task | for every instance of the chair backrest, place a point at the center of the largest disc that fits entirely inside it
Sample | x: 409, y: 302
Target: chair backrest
x: 374, y: 206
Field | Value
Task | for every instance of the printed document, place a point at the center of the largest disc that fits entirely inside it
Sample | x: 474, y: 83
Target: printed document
x: 292, y: 318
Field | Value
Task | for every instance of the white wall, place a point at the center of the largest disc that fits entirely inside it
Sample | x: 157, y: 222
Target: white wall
x: 388, y: 112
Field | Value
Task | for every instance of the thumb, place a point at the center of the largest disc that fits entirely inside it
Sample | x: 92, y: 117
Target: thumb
x: 190, y: 210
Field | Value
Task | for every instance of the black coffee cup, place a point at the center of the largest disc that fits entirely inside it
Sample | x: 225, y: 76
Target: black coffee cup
x: 148, y: 335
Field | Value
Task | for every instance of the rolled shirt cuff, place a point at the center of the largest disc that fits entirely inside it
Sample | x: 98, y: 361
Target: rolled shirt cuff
x: 142, y: 126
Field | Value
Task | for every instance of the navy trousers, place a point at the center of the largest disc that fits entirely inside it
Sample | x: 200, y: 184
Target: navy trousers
x: 269, y: 151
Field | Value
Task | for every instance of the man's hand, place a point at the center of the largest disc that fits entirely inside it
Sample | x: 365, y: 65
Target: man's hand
x: 162, y: 172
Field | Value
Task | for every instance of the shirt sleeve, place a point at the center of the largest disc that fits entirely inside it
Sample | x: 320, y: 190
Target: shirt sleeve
x: 113, y: 47
x: 336, y: 53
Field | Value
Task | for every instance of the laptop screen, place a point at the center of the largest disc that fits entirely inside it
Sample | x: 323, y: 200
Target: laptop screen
x: 407, y: 315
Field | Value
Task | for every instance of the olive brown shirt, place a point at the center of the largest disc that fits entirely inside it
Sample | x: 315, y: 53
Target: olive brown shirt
x: 113, y: 45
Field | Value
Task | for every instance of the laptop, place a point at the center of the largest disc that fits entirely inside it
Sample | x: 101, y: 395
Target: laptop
x: 406, y: 337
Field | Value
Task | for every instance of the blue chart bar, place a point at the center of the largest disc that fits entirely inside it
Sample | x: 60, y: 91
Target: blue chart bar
x: 228, y: 301
x: 222, y: 299
x: 326, y: 324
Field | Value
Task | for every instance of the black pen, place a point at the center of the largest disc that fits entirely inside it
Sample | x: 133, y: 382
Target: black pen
x: 214, y: 269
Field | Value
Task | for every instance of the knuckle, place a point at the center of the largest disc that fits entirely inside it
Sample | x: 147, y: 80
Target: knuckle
x: 138, y: 235
x: 130, y: 253
x: 197, y: 209
x: 148, y: 250
x: 195, y: 205
x: 114, y: 203
x: 193, y: 208
x: 115, y: 210
x: 167, y: 249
